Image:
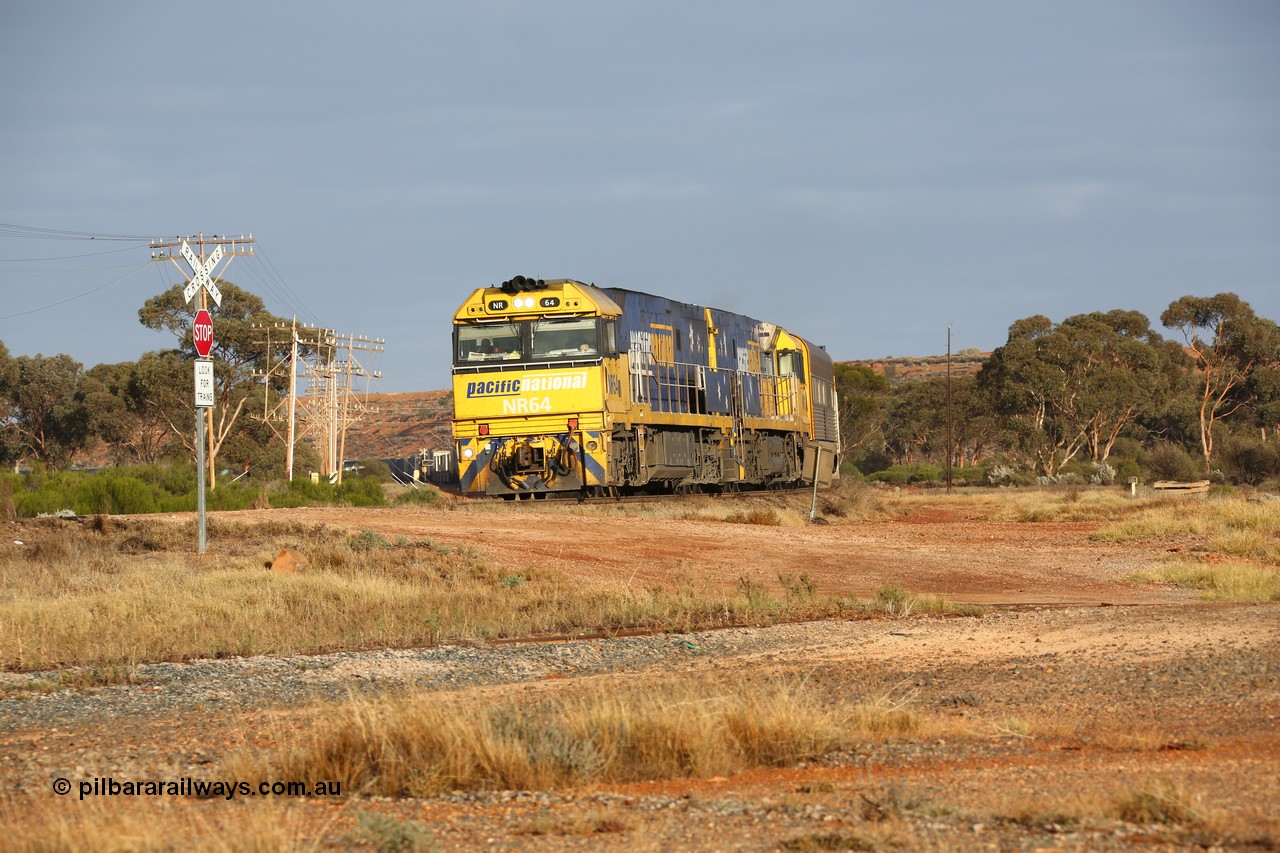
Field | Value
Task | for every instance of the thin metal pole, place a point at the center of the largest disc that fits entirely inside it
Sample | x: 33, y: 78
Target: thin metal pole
x: 346, y: 398
x: 293, y: 394
x: 813, y: 505
x: 200, y: 521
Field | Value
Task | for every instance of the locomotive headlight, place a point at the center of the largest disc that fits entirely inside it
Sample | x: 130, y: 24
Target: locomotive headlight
x: 467, y: 453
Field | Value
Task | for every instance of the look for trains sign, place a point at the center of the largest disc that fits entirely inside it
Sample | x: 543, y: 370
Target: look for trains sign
x: 202, y: 332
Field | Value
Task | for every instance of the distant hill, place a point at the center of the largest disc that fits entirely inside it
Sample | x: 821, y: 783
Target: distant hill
x: 399, y: 425
x: 907, y: 369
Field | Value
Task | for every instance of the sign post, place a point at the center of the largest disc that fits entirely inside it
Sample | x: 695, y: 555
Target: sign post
x: 202, y: 333
x: 201, y: 529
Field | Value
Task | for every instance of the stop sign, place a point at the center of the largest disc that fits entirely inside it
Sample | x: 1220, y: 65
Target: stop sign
x: 202, y: 332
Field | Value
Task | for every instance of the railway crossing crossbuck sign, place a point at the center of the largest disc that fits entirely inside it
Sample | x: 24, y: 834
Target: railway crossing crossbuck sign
x: 202, y: 332
x: 201, y: 274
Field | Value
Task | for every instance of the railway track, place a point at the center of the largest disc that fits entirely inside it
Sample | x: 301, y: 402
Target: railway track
x: 604, y: 633
x: 599, y: 495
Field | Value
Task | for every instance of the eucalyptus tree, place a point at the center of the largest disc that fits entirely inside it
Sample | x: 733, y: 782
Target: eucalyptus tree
x: 110, y: 416
x: 915, y: 430
x: 861, y: 395
x: 1236, y: 356
x: 924, y: 424
x: 46, y: 419
x: 1072, y: 388
x: 8, y: 435
x: 240, y: 350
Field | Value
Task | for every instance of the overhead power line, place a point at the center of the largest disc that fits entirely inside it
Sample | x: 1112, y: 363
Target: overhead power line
x: 64, y: 257
x: 32, y: 232
x: 77, y: 296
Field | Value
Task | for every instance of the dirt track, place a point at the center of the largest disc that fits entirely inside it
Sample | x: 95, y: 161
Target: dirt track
x: 932, y: 552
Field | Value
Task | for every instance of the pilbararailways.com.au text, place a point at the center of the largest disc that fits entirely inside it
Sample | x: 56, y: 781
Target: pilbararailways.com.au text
x: 200, y: 788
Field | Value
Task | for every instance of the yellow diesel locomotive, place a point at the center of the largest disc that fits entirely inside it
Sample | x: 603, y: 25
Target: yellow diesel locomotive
x: 561, y: 386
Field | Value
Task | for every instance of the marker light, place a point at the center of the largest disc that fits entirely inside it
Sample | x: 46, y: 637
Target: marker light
x: 484, y: 429
x: 573, y: 423
x: 467, y: 453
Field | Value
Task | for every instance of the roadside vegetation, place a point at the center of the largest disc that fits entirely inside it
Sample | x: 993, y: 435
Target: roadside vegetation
x: 142, y: 489
x: 67, y: 582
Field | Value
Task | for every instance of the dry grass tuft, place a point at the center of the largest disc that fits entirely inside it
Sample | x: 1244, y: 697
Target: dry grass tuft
x: 1225, y: 580
x: 611, y: 732
x: 85, y: 679
x: 594, y: 822
x: 1159, y: 801
x: 761, y: 515
x: 65, y: 825
x: 1017, y: 505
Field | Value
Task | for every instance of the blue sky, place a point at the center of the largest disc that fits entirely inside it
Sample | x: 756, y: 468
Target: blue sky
x: 861, y: 173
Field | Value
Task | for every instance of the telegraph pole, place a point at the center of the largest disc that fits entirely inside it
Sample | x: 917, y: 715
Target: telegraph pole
x: 307, y: 336
x: 329, y: 405
x: 202, y: 281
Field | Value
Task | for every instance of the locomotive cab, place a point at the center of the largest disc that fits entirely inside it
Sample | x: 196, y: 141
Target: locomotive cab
x: 528, y: 386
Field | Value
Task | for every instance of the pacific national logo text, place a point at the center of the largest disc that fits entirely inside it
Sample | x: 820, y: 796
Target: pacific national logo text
x: 529, y: 383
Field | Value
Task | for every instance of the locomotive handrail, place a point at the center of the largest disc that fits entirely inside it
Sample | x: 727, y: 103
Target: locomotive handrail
x: 676, y: 387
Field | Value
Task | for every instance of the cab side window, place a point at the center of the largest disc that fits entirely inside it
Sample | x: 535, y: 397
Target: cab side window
x: 791, y: 362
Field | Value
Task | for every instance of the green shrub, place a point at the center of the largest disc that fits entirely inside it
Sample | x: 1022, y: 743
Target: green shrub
x: 375, y: 468
x: 850, y: 471
x: 164, y: 488
x: 9, y: 485
x: 172, y: 479
x: 972, y: 476
x: 302, y: 492
x: 48, y: 493
x: 1249, y: 462
x: 1170, y: 462
x: 114, y: 493
x: 361, y: 491
x: 918, y: 472
x: 420, y: 495
x: 1125, y: 468
x: 872, y: 462
x: 228, y: 496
